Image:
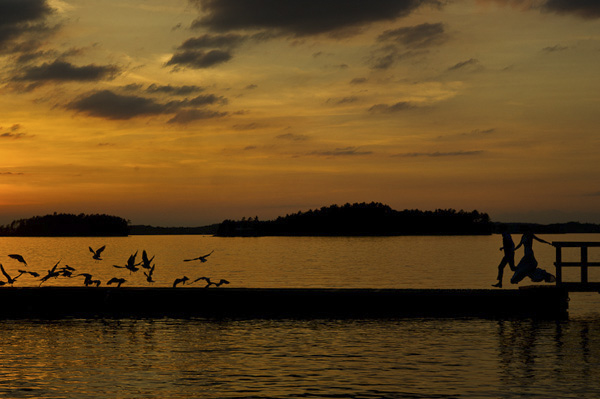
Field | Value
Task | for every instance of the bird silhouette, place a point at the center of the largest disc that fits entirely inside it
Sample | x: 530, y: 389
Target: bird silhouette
x: 34, y: 274
x: 19, y: 258
x: 209, y: 282
x: 145, y: 261
x: 131, y: 265
x: 181, y: 281
x: 10, y: 279
x: 117, y: 281
x: 97, y: 252
x: 149, y: 274
x: 200, y: 258
x: 52, y: 273
x: 88, y: 278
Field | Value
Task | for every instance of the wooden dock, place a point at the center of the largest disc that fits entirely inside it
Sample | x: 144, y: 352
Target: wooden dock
x: 548, y: 302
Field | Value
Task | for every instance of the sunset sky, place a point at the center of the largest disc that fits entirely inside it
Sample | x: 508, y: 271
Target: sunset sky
x: 187, y: 112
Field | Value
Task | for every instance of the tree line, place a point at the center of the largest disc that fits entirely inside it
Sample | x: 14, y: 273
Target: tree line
x: 67, y: 225
x: 363, y: 219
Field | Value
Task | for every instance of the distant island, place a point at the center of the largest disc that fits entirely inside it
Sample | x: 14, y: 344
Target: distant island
x: 359, y: 219
x: 362, y: 219
x: 67, y: 225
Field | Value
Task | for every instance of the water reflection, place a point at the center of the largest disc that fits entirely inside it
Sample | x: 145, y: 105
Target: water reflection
x: 537, y: 357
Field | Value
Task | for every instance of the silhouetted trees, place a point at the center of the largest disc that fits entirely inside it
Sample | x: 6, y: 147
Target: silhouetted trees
x: 67, y: 225
x: 363, y: 219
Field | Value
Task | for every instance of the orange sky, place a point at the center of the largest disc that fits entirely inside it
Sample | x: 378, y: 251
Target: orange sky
x: 184, y: 113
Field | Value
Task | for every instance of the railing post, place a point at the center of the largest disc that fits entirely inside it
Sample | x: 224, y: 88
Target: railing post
x: 584, y: 266
x: 558, y: 264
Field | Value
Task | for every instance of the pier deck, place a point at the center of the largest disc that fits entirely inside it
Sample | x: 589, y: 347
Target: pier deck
x: 52, y: 302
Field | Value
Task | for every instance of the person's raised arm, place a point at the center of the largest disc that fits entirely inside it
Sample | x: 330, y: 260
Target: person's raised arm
x: 540, y: 240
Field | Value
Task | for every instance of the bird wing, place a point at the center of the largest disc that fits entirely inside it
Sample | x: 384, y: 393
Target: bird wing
x: 99, y: 250
x: 4, y: 272
x: 18, y: 257
x: 92, y: 251
x: 189, y: 260
x: 54, y: 267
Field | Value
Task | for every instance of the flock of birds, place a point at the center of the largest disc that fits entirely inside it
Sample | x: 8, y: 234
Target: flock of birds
x: 132, y: 265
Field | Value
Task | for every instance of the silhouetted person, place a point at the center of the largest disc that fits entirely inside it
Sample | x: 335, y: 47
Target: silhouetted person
x: 528, y: 264
x: 508, y: 246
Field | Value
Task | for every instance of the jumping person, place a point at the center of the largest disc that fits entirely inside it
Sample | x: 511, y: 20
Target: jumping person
x: 528, y: 264
x: 508, y: 246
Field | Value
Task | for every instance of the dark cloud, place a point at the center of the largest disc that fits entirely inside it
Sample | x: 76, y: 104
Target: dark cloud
x: 588, y: 9
x: 106, y: 104
x: 213, y: 41
x: 418, y: 36
x: 12, y: 173
x: 65, y: 71
x: 199, y: 59
x: 300, y: 17
x: 473, y: 62
x: 345, y: 100
x: 406, y: 42
x: 14, y: 133
x: 439, y: 154
x: 174, y: 90
x: 190, y: 115
x: 357, y: 81
x: 555, y: 48
x: 21, y: 17
x: 389, y: 109
x: 341, y: 152
x: 109, y: 105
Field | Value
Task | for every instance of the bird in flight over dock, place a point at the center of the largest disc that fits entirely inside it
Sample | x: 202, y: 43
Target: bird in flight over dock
x: 200, y: 258
x: 145, y: 261
x: 149, y: 274
x: 131, y: 265
x: 18, y: 257
x: 10, y: 279
x: 51, y: 273
x: 209, y: 282
x: 33, y: 274
x: 181, y: 281
x: 117, y: 281
x: 97, y: 252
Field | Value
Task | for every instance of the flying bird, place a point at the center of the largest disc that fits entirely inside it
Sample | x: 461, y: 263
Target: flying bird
x: 145, y: 261
x: 209, y: 282
x: 180, y: 281
x: 131, y: 265
x: 10, y: 279
x: 34, y: 274
x: 51, y: 273
x: 117, y: 281
x: 19, y: 258
x: 149, y: 274
x: 97, y: 252
x: 200, y: 258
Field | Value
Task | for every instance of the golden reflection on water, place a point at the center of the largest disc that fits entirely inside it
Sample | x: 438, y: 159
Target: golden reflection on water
x: 193, y: 358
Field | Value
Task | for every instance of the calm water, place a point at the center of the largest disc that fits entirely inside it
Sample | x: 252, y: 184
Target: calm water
x: 198, y: 358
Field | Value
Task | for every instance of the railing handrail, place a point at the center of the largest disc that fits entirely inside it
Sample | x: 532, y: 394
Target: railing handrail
x: 583, y: 264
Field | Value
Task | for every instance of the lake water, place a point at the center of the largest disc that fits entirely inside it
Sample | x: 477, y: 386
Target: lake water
x: 200, y: 358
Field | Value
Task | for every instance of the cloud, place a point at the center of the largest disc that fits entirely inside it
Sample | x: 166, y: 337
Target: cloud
x: 555, y: 48
x: 174, y: 90
x: 65, y: 71
x: 14, y: 133
x: 300, y: 17
x: 344, y: 100
x: 439, y: 154
x: 109, y: 105
x: 341, y: 152
x: 418, y: 36
x: 473, y: 62
x: 20, y: 18
x: 292, y: 137
x: 588, y: 9
x: 106, y: 104
x: 357, y: 81
x: 213, y: 41
x: 190, y: 115
x: 199, y: 59
x: 389, y: 109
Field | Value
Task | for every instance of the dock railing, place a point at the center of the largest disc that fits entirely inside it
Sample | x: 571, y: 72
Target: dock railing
x: 583, y: 264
